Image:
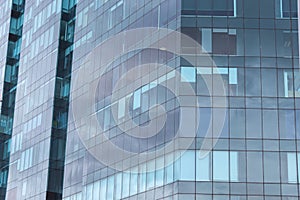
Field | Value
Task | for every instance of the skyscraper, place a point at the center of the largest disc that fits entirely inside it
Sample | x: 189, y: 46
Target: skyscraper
x: 223, y: 92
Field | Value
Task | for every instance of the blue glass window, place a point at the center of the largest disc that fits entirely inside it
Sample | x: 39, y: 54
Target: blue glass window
x: 188, y: 74
x: 203, y: 170
x: 103, y: 186
x: 187, y: 169
x: 220, y: 166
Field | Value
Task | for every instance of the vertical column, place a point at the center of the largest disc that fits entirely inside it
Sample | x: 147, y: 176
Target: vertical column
x: 61, y: 101
x: 9, y: 89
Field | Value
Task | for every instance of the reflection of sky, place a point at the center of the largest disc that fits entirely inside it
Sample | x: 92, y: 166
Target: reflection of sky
x: 139, y: 113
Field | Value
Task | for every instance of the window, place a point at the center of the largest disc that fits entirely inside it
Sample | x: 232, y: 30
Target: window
x: 60, y: 120
x: 116, y: 14
x: 16, y: 25
x: 217, y: 40
x: 254, y: 167
x: 188, y: 74
x: 271, y: 167
x: 187, y: 169
x: 103, y: 186
x: 63, y: 88
x: 67, y: 5
x: 209, y: 7
x: 121, y: 108
x: 220, y: 166
x: 285, y: 83
x: 133, y: 183
x: 96, y: 189
x: 169, y: 169
x: 98, y: 3
x: 118, y: 189
x: 159, y: 177
x: 292, y: 167
x: 142, y: 179
x: 69, y: 32
x: 203, y: 170
x: 269, y: 82
x: 11, y: 73
x: 206, y: 40
x: 224, y: 41
x: 125, y: 185
x: 233, y: 166
x: 297, y: 83
x: 137, y: 99
x: 288, y: 8
x: 230, y: 78
x: 110, y: 188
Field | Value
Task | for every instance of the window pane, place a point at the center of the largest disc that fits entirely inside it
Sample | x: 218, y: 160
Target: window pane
x: 118, y: 185
x: 188, y: 5
x: 234, y: 166
x: 254, y: 167
x: 188, y: 74
x: 224, y: 43
x: 220, y: 166
x: 251, y: 8
x: 271, y: 167
x: 266, y: 10
x: 252, y: 42
x: 207, y: 40
x: 253, y: 123
x: 270, y: 124
x: 203, y: 169
x: 253, y: 82
x: 289, y: 8
x: 187, y: 170
x: 125, y: 185
x: 133, y: 183
x: 110, y: 188
x: 103, y: 186
x: 96, y: 190
x: 237, y: 123
x: 267, y: 40
x: 216, y: 7
x: 292, y: 167
x: 137, y: 99
x: 142, y: 179
x: 269, y: 82
x: 287, y: 124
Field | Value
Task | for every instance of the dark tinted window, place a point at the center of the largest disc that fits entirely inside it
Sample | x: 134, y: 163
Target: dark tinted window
x: 208, y: 7
x: 289, y: 8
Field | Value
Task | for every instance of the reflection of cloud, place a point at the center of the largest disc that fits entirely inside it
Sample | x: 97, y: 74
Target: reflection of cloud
x: 84, y: 90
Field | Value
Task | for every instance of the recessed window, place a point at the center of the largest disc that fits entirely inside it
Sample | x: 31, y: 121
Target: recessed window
x: 288, y: 8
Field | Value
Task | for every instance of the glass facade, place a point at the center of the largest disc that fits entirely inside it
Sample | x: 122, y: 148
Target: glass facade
x: 35, y: 102
x: 255, y: 47
x: 9, y: 88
